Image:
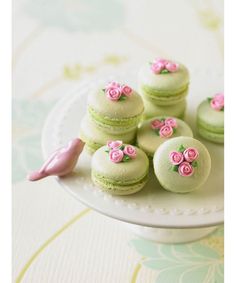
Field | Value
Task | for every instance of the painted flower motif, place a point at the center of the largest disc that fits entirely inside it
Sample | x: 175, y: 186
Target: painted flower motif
x: 217, y: 102
x: 114, y: 144
x: 171, y: 122
x: 185, y: 169
x: 184, y: 160
x: 176, y: 157
x: 157, y: 124
x: 116, y: 155
x: 130, y: 151
x: 190, y: 154
x: 166, y: 131
x: 163, y: 66
x: 118, y: 152
x: 114, y: 91
x: 113, y: 94
x: 202, y: 260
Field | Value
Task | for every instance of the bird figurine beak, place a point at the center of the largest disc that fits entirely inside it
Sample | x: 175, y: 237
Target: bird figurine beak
x: 61, y: 162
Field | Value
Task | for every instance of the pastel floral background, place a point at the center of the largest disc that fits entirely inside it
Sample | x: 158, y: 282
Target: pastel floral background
x: 56, y: 46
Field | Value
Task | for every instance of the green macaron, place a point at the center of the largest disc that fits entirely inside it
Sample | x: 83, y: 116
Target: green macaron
x: 164, y: 88
x: 116, y: 172
x: 152, y: 133
x: 94, y: 138
x: 115, y: 108
x: 182, y: 164
x: 152, y: 110
x: 210, y: 121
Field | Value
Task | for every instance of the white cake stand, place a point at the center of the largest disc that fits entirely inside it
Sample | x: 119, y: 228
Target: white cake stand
x: 152, y: 213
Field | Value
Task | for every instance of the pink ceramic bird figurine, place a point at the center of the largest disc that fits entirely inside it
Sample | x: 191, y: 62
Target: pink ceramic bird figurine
x: 61, y: 162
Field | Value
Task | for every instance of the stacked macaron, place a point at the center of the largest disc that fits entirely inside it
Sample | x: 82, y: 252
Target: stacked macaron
x: 163, y: 85
x: 210, y: 118
x: 119, y: 168
x: 113, y: 113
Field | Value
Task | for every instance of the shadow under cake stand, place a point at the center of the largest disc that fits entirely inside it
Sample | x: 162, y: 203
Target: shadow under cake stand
x: 153, y: 213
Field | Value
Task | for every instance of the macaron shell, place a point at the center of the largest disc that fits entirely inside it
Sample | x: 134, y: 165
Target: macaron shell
x: 116, y: 188
x: 173, y: 181
x: 162, y: 100
x: 130, y: 107
x: 211, y: 136
x: 124, y: 171
x: 152, y: 110
x: 95, y: 137
x: 149, y: 141
x: 210, y: 119
x: 170, y: 83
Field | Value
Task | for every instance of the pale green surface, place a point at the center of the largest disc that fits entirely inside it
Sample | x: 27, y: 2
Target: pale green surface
x: 96, y: 137
x: 171, y: 180
x: 171, y: 83
x: 211, y: 136
x: 152, y: 110
x: 119, y: 187
x: 162, y: 100
x: 113, y: 125
x: 210, y: 123
x: 149, y: 141
x: 119, y: 178
x: 115, y: 110
x: 125, y: 171
x: 209, y: 118
x: 197, y: 262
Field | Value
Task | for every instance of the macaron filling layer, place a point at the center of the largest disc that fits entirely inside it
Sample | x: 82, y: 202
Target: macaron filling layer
x: 118, y: 185
x: 163, y: 98
x: 114, y: 122
x: 210, y: 127
x: 211, y: 136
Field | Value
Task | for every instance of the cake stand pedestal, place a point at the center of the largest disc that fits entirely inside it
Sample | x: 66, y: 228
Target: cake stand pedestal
x: 152, y: 213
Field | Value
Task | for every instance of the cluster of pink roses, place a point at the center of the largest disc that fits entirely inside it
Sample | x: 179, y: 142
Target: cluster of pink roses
x: 164, y: 127
x: 217, y: 102
x: 119, y: 152
x: 114, y: 91
x: 163, y: 66
x: 184, y: 160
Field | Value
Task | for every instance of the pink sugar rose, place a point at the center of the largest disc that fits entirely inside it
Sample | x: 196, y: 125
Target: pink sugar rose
x: 157, y: 67
x: 217, y: 104
x: 114, y: 144
x: 116, y: 155
x: 157, y: 124
x: 171, y: 122
x: 130, y: 151
x: 113, y: 94
x: 190, y: 154
x: 185, y: 169
x: 112, y: 85
x: 176, y: 157
x: 126, y: 90
x: 217, y: 101
x: 171, y: 67
x: 166, y: 131
x: 162, y: 61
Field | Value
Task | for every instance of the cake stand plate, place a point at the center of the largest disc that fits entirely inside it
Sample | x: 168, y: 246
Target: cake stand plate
x: 153, y: 213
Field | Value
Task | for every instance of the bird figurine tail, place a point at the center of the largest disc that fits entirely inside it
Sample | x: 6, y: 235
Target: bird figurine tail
x: 36, y: 175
